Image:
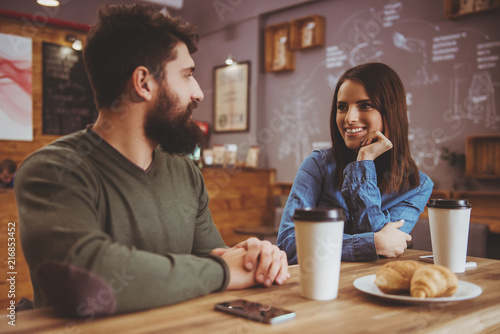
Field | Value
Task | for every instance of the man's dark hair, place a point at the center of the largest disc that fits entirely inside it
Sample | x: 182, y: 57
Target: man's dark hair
x: 128, y: 36
x: 8, y: 165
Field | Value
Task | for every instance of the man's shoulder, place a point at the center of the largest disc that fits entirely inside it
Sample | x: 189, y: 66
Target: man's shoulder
x: 60, y: 145
x: 66, y: 152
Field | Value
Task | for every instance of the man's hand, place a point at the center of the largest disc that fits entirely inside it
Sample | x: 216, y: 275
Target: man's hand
x: 390, y: 241
x: 267, y: 260
x: 239, y: 277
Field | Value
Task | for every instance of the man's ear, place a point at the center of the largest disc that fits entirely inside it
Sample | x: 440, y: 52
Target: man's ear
x: 143, y: 83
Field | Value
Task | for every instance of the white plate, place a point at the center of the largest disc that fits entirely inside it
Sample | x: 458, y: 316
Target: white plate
x: 465, y: 291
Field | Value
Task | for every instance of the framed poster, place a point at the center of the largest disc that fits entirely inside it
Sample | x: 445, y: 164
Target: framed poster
x: 16, y: 104
x: 231, y: 97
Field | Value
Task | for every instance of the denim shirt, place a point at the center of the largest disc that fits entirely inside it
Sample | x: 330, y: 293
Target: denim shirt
x: 365, y: 209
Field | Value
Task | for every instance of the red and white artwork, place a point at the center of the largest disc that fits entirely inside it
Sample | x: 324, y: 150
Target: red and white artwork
x: 16, y: 106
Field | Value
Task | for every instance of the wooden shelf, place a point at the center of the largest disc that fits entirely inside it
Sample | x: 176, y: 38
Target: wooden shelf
x: 454, y: 9
x: 279, y: 56
x: 482, y: 157
x: 307, y: 32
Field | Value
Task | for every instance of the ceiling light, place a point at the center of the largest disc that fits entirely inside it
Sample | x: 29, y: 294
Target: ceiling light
x: 175, y: 4
x: 48, y: 3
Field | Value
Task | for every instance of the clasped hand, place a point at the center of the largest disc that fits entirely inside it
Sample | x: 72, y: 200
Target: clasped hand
x: 254, y: 261
x: 390, y: 241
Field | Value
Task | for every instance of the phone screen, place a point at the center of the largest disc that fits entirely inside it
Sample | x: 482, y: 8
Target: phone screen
x: 255, y: 311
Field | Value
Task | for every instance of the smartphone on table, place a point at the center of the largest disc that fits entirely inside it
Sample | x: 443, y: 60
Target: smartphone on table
x: 430, y: 259
x: 255, y: 311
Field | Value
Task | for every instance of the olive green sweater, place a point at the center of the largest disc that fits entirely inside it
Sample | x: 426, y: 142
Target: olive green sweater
x: 144, y: 232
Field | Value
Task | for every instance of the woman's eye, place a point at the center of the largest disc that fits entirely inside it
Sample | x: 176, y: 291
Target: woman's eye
x: 341, y: 108
x: 366, y: 106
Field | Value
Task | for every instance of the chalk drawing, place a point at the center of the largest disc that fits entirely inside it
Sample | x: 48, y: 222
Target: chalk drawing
x: 332, y: 80
x: 472, y: 96
x: 438, y: 56
x: 366, y: 53
x: 418, y: 46
x: 423, y: 149
x: 481, y: 105
x: 300, y: 118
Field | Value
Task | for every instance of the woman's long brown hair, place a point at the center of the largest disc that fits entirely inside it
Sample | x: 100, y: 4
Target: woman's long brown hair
x: 396, y: 169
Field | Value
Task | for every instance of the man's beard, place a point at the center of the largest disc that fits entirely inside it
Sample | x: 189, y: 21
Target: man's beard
x: 171, y: 126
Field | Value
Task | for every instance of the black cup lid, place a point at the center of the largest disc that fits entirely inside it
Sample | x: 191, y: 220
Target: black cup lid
x: 449, y: 204
x: 318, y: 214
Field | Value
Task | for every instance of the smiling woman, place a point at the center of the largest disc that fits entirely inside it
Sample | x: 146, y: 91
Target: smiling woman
x: 368, y: 172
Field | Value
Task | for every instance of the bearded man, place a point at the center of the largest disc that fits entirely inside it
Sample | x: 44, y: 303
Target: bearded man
x: 115, y: 218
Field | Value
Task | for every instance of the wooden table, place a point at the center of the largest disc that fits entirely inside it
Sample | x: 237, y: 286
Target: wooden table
x: 352, y: 312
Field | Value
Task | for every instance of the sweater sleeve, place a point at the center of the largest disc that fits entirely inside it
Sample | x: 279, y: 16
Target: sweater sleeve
x: 59, y: 221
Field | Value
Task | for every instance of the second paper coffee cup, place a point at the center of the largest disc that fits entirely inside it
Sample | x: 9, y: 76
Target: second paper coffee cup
x: 319, y: 236
x: 449, y: 221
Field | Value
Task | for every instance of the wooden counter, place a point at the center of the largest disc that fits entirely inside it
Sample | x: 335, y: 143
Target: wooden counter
x: 352, y: 312
x: 239, y: 197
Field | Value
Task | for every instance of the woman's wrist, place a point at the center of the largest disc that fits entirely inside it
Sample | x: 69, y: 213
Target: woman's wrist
x: 364, y: 156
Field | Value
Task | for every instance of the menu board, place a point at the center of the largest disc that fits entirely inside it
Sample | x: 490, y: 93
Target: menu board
x: 68, y: 101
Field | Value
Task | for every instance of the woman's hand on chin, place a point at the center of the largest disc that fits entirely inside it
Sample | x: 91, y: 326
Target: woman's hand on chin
x: 373, y: 145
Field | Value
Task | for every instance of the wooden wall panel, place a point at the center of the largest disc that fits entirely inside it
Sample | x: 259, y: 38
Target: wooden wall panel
x: 38, y: 32
x: 239, y: 197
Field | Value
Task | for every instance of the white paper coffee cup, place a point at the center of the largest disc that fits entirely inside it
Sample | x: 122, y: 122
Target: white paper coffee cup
x: 449, y: 221
x: 318, y: 237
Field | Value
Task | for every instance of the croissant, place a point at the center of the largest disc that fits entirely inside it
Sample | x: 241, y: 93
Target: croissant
x: 396, y: 276
x: 433, y: 281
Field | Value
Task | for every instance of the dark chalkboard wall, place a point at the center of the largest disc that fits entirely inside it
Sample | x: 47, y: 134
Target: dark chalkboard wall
x: 450, y: 69
x: 68, y: 102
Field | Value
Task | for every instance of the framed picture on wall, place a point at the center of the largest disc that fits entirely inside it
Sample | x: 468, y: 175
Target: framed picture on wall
x: 231, y: 97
